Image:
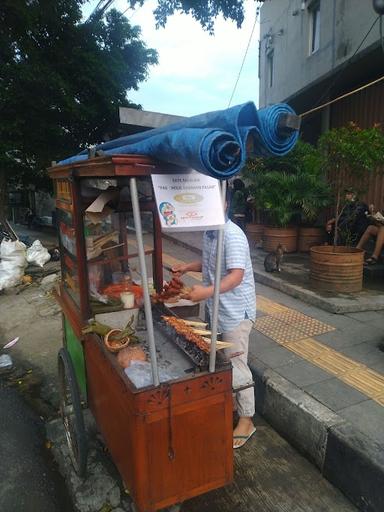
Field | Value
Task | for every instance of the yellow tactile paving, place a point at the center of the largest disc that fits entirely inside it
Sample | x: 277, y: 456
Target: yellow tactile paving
x: 335, y: 363
x: 283, y: 325
x: 277, y: 330
x: 366, y: 380
x: 290, y: 326
x: 307, y: 348
x: 308, y: 325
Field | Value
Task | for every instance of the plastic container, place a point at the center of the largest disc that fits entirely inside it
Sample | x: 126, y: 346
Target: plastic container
x: 128, y: 299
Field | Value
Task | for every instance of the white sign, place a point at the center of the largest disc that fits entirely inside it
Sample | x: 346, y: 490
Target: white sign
x: 188, y: 202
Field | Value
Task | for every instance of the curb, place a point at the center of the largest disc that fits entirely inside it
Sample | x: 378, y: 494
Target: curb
x: 346, y: 457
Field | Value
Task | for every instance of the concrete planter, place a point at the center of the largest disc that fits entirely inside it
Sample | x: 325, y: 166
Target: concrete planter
x: 254, y: 233
x: 310, y: 237
x: 287, y: 237
x: 336, y: 269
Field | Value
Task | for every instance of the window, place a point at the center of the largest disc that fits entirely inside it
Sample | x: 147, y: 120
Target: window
x: 314, y: 29
x: 270, y: 68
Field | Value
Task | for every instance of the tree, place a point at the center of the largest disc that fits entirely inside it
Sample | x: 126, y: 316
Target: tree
x: 204, y: 11
x: 350, y: 154
x: 61, y: 83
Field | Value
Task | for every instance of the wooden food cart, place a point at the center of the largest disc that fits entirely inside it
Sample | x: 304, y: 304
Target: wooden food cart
x: 172, y: 439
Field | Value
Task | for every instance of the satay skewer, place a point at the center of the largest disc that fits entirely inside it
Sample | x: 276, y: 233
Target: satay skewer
x: 193, y: 323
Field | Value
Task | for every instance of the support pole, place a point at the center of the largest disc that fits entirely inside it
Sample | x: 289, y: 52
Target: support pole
x: 216, y: 291
x: 144, y: 280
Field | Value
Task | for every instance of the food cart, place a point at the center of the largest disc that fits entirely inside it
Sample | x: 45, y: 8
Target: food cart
x: 171, y: 438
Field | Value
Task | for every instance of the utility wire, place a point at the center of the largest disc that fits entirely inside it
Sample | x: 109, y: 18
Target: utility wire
x: 243, y: 62
x: 315, y: 109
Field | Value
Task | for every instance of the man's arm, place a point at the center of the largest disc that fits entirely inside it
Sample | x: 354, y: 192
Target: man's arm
x: 232, y: 279
x: 182, y: 268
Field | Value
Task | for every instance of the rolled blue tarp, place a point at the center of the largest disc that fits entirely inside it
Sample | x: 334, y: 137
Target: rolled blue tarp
x: 214, y: 143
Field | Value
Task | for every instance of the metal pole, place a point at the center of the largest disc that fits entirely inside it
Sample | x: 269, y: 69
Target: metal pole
x: 216, y: 291
x: 144, y: 280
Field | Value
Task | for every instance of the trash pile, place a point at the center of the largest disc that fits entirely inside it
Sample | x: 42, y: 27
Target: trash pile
x: 15, y: 256
x: 13, y: 261
x: 6, y: 363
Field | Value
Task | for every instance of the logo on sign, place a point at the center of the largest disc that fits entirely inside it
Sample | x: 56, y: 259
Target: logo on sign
x: 189, y: 198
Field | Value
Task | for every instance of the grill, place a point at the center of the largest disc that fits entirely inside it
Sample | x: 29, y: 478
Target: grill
x: 197, y: 356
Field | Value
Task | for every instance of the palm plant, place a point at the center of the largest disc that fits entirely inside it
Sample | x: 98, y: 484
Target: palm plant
x: 290, y: 187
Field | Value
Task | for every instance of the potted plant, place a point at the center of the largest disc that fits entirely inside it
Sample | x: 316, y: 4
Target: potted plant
x: 289, y: 188
x: 314, y: 195
x: 255, y: 226
x: 349, y: 154
x: 273, y: 189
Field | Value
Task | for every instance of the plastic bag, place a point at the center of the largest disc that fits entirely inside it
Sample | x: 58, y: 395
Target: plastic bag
x: 12, y: 263
x: 140, y: 374
x: 38, y: 254
x: 5, y: 362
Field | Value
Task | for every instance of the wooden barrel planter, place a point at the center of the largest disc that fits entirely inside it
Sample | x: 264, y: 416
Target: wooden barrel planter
x: 309, y: 237
x: 287, y: 237
x: 336, y: 269
x: 255, y: 232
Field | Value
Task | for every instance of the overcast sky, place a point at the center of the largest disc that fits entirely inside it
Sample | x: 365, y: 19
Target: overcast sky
x: 196, y: 72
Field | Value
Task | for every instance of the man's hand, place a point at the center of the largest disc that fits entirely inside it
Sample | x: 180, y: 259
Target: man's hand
x: 182, y: 268
x: 179, y: 269
x: 199, y: 293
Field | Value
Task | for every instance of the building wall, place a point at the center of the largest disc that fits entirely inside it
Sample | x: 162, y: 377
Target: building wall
x: 365, y: 108
x: 285, y: 29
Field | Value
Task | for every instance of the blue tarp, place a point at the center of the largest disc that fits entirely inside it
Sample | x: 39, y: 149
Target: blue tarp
x: 214, y: 143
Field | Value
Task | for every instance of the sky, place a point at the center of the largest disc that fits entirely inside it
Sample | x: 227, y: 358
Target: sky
x: 196, y: 72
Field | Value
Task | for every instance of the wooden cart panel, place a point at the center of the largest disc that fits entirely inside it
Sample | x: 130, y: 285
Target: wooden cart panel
x: 169, y: 443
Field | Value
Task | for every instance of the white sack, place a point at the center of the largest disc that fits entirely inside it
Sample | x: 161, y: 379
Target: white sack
x: 38, y: 254
x: 12, y: 263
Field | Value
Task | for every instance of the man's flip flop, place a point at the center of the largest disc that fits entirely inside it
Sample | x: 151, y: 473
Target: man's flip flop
x: 246, y: 438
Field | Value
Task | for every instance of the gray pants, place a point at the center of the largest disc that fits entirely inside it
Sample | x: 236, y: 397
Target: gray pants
x: 242, y: 375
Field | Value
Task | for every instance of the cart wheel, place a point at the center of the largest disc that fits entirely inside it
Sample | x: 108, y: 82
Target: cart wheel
x: 71, y: 413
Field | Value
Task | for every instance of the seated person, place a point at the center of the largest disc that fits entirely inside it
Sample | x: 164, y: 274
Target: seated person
x: 373, y: 231
x: 352, y: 222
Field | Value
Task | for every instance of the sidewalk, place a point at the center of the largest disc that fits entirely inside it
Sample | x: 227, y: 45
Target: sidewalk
x: 319, y: 380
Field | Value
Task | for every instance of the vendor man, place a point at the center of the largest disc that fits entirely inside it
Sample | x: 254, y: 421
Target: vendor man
x: 237, y: 311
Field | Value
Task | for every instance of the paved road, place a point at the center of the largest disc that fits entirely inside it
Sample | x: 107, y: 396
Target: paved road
x: 28, y: 480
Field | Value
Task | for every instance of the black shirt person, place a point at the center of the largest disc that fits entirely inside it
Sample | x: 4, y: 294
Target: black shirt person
x: 352, y: 222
